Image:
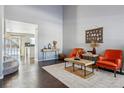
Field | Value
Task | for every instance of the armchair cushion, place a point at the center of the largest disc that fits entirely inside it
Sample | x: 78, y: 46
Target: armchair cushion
x: 102, y: 58
x: 107, y: 63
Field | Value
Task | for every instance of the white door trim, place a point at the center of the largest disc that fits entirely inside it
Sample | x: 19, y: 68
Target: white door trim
x: 36, y: 44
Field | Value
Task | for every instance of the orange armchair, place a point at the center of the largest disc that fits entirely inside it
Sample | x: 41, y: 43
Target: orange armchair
x: 112, y: 60
x: 76, y: 52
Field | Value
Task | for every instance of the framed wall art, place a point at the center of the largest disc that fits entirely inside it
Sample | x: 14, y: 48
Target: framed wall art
x: 95, y: 35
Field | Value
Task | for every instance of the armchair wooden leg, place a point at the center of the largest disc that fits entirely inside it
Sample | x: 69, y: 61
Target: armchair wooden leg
x: 120, y: 70
x: 96, y: 68
x: 114, y: 73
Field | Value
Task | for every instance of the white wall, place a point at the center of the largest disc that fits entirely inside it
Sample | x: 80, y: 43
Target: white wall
x: 1, y: 40
x: 79, y: 18
x: 49, y: 19
x: 69, y: 28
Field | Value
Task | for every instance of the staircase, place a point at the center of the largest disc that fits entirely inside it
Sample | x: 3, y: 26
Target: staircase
x: 11, y: 56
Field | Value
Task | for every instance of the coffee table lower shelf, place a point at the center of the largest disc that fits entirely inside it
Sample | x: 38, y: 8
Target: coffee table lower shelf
x: 80, y: 72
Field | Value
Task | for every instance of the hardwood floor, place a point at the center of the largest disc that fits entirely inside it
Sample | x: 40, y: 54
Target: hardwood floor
x: 32, y: 76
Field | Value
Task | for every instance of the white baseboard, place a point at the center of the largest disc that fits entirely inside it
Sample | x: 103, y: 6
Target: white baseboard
x: 48, y: 59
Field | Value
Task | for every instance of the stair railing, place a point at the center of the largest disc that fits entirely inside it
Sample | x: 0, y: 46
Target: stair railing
x: 11, y: 48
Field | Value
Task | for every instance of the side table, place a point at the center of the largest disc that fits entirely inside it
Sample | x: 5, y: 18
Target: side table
x: 92, y: 57
x: 56, y: 51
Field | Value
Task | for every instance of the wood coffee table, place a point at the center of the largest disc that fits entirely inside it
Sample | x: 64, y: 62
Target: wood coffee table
x: 81, y: 62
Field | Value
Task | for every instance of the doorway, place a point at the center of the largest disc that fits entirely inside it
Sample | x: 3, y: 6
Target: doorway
x: 21, y: 41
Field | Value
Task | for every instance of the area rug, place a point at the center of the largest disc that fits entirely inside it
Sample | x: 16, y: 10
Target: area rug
x: 101, y: 78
